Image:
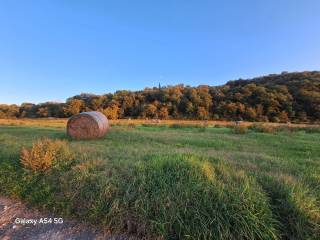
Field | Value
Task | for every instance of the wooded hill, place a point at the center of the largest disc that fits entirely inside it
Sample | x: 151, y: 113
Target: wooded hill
x: 282, y: 97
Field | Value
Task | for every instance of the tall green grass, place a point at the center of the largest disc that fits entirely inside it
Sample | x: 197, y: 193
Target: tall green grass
x: 177, y: 183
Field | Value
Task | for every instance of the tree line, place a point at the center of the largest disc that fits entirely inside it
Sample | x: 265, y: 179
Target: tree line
x: 284, y: 97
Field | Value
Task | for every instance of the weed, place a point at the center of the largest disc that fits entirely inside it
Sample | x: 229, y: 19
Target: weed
x: 240, y: 129
x: 263, y: 128
x: 45, y: 154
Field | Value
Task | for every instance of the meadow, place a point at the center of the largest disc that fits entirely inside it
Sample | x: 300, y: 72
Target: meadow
x: 174, y: 180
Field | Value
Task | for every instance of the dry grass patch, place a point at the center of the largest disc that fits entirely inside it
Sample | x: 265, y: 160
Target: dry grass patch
x: 240, y: 129
x: 265, y: 128
x: 62, y: 122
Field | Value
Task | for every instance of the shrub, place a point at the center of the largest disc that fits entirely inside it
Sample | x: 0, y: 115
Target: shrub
x: 115, y: 124
x: 287, y: 129
x: 131, y: 125
x: 147, y: 125
x: 240, y: 129
x: 176, y: 125
x: 186, y: 125
x: 203, y: 129
x: 45, y: 154
x: 312, y: 130
x: 263, y: 128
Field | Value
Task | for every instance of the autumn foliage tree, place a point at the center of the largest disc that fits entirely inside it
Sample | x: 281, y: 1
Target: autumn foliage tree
x: 283, y: 97
x: 74, y: 106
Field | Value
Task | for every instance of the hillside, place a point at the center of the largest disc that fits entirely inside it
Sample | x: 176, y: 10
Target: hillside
x: 282, y: 97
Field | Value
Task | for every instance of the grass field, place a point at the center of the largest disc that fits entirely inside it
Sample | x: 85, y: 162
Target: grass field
x: 175, y: 181
x: 61, y: 122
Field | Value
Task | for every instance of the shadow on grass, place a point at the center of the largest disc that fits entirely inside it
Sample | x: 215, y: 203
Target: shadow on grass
x: 294, y: 207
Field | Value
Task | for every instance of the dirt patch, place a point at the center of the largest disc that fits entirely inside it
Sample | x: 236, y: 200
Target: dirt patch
x: 19, y: 221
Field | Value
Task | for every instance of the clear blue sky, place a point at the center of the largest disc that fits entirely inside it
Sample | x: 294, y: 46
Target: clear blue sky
x: 51, y: 50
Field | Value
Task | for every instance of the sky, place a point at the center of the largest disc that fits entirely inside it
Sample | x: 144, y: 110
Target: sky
x: 52, y: 50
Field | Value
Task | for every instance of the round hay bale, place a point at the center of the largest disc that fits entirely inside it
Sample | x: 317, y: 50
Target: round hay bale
x: 87, y: 125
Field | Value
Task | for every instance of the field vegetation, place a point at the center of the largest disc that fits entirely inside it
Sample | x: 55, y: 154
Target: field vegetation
x: 61, y: 123
x: 170, y: 181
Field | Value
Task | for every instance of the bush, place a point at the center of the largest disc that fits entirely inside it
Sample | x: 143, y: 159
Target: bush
x: 240, y: 129
x: 203, y: 129
x: 45, y: 154
x: 147, y: 124
x: 176, y: 125
x: 186, y: 125
x: 287, y: 129
x: 263, y: 128
x: 312, y: 130
x: 131, y: 125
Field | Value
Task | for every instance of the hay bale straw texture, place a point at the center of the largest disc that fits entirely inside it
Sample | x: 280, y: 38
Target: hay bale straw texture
x: 87, y: 125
